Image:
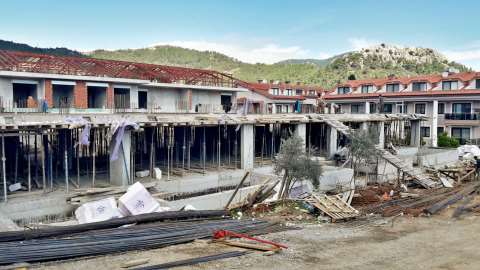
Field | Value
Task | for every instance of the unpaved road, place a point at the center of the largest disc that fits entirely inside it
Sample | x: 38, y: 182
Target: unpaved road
x: 406, y: 243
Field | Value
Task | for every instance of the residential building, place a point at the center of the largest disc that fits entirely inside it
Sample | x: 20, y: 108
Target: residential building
x: 280, y: 97
x: 451, y: 101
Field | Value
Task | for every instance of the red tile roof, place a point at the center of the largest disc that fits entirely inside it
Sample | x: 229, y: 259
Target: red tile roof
x: 435, y: 78
x: 263, y: 88
x: 405, y: 94
x: 464, y: 77
x: 84, y: 66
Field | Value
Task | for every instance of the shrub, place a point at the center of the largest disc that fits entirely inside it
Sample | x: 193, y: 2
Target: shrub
x: 445, y: 141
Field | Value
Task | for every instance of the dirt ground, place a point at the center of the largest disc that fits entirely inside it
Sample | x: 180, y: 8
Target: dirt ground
x: 437, y: 242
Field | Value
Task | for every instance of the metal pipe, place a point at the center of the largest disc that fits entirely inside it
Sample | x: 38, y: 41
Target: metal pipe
x: 66, y: 163
x: 93, y: 158
x: 4, y: 172
x: 29, y: 174
x: 42, y: 156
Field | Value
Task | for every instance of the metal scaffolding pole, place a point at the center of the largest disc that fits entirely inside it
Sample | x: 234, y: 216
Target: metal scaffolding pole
x: 66, y: 162
x: 4, y: 169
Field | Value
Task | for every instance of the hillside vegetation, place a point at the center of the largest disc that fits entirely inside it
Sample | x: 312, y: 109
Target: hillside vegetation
x: 13, y: 46
x: 374, y: 62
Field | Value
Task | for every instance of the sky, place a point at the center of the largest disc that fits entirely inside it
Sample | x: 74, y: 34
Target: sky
x: 264, y: 31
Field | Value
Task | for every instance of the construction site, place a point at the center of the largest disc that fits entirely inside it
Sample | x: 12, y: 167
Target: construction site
x: 112, y: 164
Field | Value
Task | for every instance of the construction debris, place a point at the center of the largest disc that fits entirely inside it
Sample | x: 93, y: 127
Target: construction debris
x: 223, y: 236
x: 416, y: 176
x: 332, y: 206
x: 427, y: 202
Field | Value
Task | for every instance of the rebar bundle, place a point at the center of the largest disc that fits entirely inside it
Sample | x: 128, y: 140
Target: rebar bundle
x: 144, y: 218
x: 99, y: 242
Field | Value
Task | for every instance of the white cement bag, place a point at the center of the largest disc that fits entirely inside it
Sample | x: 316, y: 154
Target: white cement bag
x: 101, y: 210
x: 137, y: 200
x: 464, y: 149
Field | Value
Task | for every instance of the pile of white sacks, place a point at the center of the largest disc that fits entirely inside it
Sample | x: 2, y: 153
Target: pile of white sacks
x: 137, y: 200
x: 468, y: 151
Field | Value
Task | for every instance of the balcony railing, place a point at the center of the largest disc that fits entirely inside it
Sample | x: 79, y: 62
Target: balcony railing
x: 462, y: 116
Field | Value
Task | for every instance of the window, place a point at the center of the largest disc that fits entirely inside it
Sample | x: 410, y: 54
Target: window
x: 393, y: 87
x: 401, y: 108
x: 343, y: 90
x: 424, y: 132
x: 367, y: 89
x: 338, y: 109
x: 440, y: 130
x: 387, y: 108
x: 461, y: 108
x: 299, y: 92
x: 462, y: 134
x: 23, y: 93
x: 419, y: 86
x: 143, y: 99
x: 311, y: 92
x: 275, y: 91
x: 373, y: 108
x: 441, y: 108
x: 286, y: 108
x: 477, y: 84
x: 121, y: 98
x: 356, y: 108
x: 289, y: 92
x: 449, y: 85
x: 420, y: 108
x: 278, y: 108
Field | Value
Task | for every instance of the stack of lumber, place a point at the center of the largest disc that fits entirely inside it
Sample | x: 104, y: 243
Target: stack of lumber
x: 430, y: 202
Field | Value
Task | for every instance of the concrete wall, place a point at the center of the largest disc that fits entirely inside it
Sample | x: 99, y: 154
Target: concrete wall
x: 163, y: 99
x: 437, y: 157
x: 335, y: 176
x: 210, y: 99
x: 6, y: 90
x: 215, y: 201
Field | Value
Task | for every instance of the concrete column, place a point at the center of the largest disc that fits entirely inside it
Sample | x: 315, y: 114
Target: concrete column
x: 246, y: 146
x: 120, y: 168
x: 415, y: 133
x: 332, y: 141
x: 364, y: 125
x: 381, y: 134
x: 332, y: 108
x: 301, y: 131
x: 367, y: 107
x: 433, y: 133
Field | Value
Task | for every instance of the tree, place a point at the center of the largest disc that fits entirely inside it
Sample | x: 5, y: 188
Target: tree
x: 362, y: 148
x: 296, y: 164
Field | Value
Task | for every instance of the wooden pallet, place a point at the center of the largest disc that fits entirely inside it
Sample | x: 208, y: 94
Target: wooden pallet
x: 332, y: 206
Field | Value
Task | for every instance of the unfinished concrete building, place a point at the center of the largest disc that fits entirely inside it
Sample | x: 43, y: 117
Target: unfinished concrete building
x: 70, y: 123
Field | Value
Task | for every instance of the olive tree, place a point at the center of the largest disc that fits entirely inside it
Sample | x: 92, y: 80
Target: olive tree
x: 362, y: 149
x: 296, y: 164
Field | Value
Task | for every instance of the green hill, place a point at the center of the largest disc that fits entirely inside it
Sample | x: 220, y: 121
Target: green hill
x: 378, y: 61
x: 374, y: 62
x: 13, y: 46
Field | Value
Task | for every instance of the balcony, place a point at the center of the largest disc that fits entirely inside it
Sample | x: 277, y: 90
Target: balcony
x: 462, y: 116
x: 462, y: 119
